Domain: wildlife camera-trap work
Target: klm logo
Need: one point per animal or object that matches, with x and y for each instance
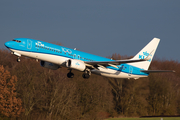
(77, 64)
(39, 43)
(145, 54)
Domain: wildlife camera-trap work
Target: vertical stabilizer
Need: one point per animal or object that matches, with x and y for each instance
(148, 50)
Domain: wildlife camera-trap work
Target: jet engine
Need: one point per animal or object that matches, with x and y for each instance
(49, 65)
(76, 64)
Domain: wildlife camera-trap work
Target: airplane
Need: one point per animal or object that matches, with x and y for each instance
(54, 57)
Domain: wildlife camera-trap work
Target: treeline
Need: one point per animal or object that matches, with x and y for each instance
(38, 93)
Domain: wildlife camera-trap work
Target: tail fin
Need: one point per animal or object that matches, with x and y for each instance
(148, 50)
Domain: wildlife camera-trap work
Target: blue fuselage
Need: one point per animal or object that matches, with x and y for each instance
(58, 55)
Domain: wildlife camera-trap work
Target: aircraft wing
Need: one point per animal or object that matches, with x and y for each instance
(113, 63)
(116, 62)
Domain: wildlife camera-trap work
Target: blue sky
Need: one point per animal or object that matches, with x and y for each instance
(100, 27)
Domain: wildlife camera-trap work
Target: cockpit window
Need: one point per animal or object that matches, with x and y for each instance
(17, 41)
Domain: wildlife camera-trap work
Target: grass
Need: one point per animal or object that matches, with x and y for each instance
(154, 118)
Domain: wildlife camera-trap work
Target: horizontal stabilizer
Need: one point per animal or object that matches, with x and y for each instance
(156, 71)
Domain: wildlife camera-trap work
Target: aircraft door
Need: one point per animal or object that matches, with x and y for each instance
(29, 44)
(74, 56)
(130, 70)
(79, 57)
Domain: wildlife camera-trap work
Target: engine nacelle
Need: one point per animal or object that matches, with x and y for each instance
(76, 64)
(49, 65)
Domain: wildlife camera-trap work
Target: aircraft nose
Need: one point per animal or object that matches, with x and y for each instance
(7, 44)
